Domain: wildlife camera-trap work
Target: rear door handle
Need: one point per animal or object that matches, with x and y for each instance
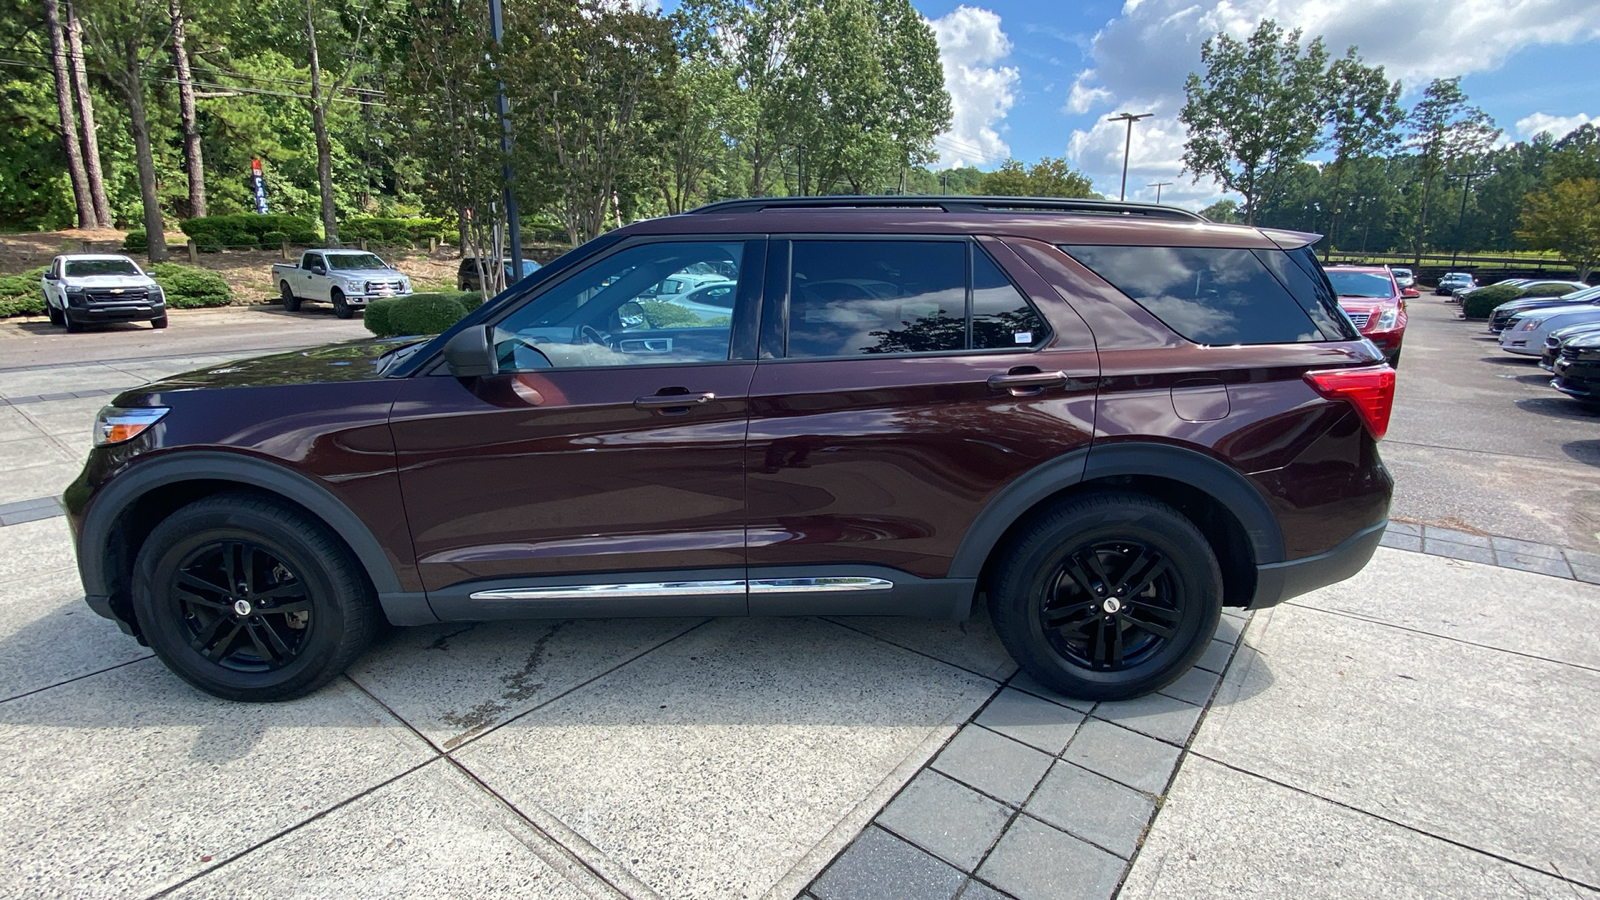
(1022, 384)
(675, 402)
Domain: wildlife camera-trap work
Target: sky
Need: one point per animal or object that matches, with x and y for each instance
(1033, 78)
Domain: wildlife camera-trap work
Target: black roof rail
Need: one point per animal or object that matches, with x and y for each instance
(954, 204)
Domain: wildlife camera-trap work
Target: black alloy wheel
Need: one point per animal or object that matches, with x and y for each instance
(242, 607)
(1106, 596)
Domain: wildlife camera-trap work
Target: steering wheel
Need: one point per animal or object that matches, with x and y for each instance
(589, 334)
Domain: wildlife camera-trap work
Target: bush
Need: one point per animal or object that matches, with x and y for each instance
(208, 245)
(419, 313)
(20, 294)
(136, 242)
(382, 230)
(1548, 290)
(661, 314)
(246, 229)
(1480, 303)
(188, 287)
(273, 240)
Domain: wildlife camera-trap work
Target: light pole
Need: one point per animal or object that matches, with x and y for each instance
(1461, 220)
(1158, 186)
(1127, 145)
(497, 30)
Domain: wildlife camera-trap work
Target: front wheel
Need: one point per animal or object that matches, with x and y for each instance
(341, 307)
(56, 318)
(248, 599)
(1107, 596)
(158, 322)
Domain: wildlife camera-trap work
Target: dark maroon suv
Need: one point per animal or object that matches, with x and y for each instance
(1105, 421)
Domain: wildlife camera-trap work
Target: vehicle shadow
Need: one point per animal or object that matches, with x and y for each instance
(1561, 407)
(43, 327)
(306, 311)
(1586, 452)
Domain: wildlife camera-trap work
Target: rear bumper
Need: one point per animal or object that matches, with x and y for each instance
(1277, 582)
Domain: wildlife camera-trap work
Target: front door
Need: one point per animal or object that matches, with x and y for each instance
(604, 463)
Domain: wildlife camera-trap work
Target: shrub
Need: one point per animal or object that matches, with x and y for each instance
(377, 318)
(384, 230)
(272, 240)
(136, 242)
(20, 294)
(1480, 303)
(237, 239)
(208, 245)
(245, 229)
(428, 313)
(662, 314)
(188, 287)
(1548, 290)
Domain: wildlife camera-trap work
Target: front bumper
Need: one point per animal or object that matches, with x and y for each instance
(1277, 582)
(1577, 378)
(121, 312)
(1527, 345)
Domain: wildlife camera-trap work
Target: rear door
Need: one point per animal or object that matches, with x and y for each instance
(903, 382)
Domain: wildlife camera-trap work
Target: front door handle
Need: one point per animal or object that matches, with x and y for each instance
(676, 403)
(1024, 384)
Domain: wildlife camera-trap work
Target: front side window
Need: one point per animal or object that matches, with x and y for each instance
(630, 309)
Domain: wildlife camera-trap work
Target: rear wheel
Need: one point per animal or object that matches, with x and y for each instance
(341, 307)
(1107, 596)
(248, 599)
(291, 303)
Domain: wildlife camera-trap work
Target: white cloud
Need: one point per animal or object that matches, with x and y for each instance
(981, 92)
(1140, 60)
(1556, 126)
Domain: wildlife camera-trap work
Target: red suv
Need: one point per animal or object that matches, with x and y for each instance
(1375, 303)
(1104, 420)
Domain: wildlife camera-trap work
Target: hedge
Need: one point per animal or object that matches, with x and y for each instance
(429, 313)
(1480, 303)
(187, 287)
(248, 230)
(381, 230)
(20, 294)
(1549, 290)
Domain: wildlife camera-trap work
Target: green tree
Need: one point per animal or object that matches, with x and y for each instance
(1225, 211)
(1049, 177)
(1577, 155)
(1444, 132)
(1256, 113)
(1566, 217)
(1364, 116)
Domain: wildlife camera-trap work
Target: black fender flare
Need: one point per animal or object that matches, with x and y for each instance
(1190, 467)
(140, 478)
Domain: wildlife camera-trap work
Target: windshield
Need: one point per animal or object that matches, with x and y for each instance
(1360, 284)
(82, 267)
(355, 261)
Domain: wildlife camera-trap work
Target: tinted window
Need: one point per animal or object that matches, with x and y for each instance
(355, 261)
(1207, 295)
(1361, 284)
(1299, 270)
(1000, 315)
(309, 260)
(83, 267)
(849, 298)
(618, 313)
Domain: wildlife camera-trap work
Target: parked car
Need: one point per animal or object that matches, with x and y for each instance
(1503, 313)
(349, 279)
(1555, 339)
(1372, 299)
(1577, 368)
(1455, 281)
(1526, 332)
(86, 288)
(1107, 420)
(467, 272)
(1403, 277)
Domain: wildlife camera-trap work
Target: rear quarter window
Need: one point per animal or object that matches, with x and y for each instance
(1209, 295)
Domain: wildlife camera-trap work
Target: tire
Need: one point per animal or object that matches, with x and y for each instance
(158, 322)
(73, 325)
(340, 308)
(1394, 361)
(322, 616)
(56, 318)
(1034, 582)
(291, 303)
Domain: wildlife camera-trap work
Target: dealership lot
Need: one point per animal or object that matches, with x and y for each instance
(1421, 730)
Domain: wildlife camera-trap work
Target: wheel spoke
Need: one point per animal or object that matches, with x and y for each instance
(1116, 643)
(203, 640)
(297, 606)
(1160, 631)
(219, 648)
(1135, 570)
(247, 554)
(1059, 616)
(230, 566)
(1074, 570)
(1097, 570)
(195, 582)
(274, 640)
(1156, 571)
(197, 600)
(282, 590)
(1150, 609)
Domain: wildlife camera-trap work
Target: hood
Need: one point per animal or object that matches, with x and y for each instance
(1588, 340)
(1366, 304)
(350, 361)
(365, 273)
(109, 281)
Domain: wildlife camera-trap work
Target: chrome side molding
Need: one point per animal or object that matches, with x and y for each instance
(636, 590)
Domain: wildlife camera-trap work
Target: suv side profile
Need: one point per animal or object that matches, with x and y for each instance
(1104, 420)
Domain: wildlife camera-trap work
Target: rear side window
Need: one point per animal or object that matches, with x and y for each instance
(1208, 295)
(1300, 271)
(865, 298)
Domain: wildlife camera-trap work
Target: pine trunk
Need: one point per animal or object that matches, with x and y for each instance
(192, 159)
(91, 140)
(69, 120)
(319, 127)
(139, 124)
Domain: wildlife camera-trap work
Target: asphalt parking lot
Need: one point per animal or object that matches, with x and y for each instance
(1422, 730)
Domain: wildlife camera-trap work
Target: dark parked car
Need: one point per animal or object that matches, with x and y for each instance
(1106, 421)
(1502, 314)
(467, 273)
(1577, 368)
(1557, 339)
(1455, 281)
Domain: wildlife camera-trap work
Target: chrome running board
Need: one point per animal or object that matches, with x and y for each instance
(815, 584)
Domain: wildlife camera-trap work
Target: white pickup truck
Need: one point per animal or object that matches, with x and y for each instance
(84, 288)
(349, 279)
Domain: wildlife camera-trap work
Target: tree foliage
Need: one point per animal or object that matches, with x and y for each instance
(1566, 217)
(1049, 177)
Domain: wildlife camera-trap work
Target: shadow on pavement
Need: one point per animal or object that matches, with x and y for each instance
(1587, 452)
(1560, 407)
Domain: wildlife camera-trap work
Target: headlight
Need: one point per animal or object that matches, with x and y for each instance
(1531, 324)
(116, 424)
(1387, 319)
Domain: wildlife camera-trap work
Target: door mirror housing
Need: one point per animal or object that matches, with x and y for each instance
(470, 354)
(631, 315)
(318, 270)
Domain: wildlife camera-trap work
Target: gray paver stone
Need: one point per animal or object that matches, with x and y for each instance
(1453, 550)
(1162, 717)
(1540, 564)
(1034, 862)
(1525, 548)
(879, 864)
(1405, 528)
(30, 515)
(1025, 682)
(1582, 558)
(1215, 659)
(1590, 574)
(1032, 720)
(1194, 686)
(1093, 808)
(1435, 533)
(946, 818)
(1401, 541)
(977, 890)
(1122, 755)
(996, 765)
(1229, 629)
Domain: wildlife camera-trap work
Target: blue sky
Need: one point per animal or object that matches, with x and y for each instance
(1033, 77)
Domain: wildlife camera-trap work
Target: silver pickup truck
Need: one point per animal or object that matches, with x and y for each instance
(349, 279)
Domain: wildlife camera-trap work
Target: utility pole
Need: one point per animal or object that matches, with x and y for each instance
(1127, 145)
(497, 30)
(1461, 220)
(1158, 186)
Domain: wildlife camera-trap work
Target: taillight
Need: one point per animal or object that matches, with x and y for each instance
(1370, 389)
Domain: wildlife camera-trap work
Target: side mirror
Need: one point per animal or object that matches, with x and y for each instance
(49, 276)
(1409, 292)
(469, 354)
(318, 270)
(631, 315)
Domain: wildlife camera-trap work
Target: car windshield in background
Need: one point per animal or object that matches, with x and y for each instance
(355, 261)
(1360, 284)
(84, 267)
